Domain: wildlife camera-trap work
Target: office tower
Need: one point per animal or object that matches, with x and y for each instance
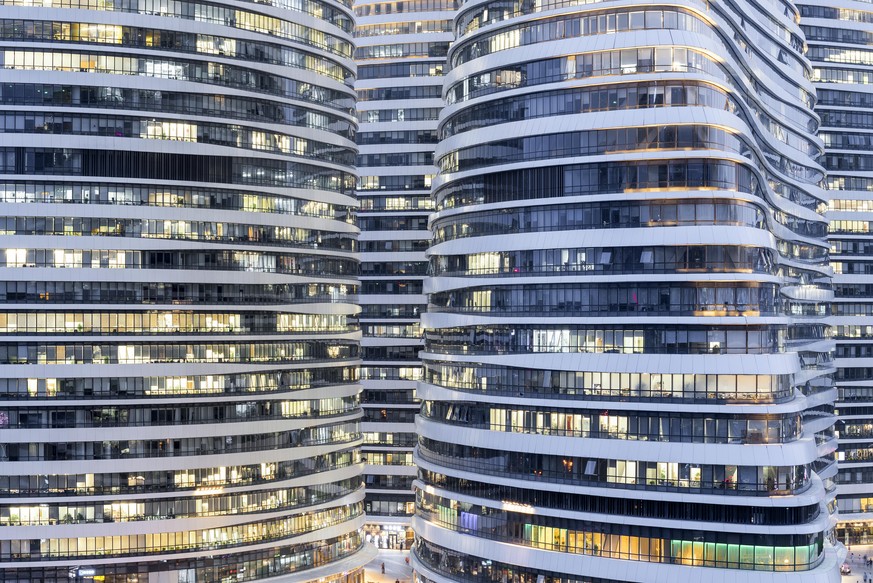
(627, 374)
(178, 355)
(401, 50)
(839, 38)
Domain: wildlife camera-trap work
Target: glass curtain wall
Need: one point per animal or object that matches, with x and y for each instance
(839, 36)
(400, 51)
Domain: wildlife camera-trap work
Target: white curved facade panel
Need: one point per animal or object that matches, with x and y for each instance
(596, 564)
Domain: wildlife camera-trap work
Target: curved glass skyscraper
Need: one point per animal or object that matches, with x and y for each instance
(627, 375)
(839, 37)
(177, 349)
